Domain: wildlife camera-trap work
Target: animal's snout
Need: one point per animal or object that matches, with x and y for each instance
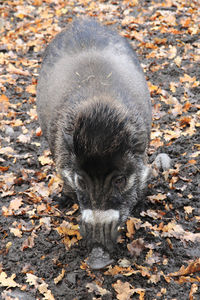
(100, 227)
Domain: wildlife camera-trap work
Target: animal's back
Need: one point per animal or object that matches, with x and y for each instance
(88, 60)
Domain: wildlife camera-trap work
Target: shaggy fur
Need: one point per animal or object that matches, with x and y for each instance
(94, 108)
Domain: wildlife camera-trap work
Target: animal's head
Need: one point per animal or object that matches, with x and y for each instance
(107, 167)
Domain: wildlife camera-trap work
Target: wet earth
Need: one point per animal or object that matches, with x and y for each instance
(42, 255)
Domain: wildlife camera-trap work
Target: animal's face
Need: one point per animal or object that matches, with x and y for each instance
(107, 190)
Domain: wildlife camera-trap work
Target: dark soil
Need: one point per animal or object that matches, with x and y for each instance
(40, 250)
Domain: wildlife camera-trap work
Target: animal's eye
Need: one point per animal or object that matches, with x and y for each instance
(80, 182)
(119, 181)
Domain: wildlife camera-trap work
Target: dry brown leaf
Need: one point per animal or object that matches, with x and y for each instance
(178, 61)
(145, 271)
(156, 143)
(187, 78)
(125, 290)
(16, 231)
(184, 121)
(13, 70)
(4, 103)
(73, 209)
(41, 208)
(45, 160)
(130, 228)
(194, 289)
(152, 257)
(192, 267)
(154, 278)
(70, 233)
(8, 281)
(152, 214)
(157, 198)
(31, 89)
(29, 242)
(184, 279)
(15, 203)
(7, 151)
(55, 185)
(172, 86)
(22, 138)
(59, 277)
(177, 231)
(136, 247)
(40, 285)
(32, 113)
(192, 161)
(38, 191)
(17, 123)
(188, 209)
(131, 2)
(153, 88)
(137, 35)
(172, 51)
(4, 169)
(171, 134)
(126, 271)
(98, 290)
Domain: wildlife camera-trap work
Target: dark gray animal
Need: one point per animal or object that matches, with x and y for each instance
(94, 108)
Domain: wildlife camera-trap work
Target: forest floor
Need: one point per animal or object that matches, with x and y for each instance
(42, 255)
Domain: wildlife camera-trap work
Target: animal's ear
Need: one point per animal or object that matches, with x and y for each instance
(139, 142)
(68, 140)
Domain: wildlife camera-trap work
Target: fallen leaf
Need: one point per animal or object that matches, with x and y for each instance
(13, 70)
(4, 103)
(8, 281)
(126, 271)
(178, 61)
(125, 290)
(59, 277)
(130, 228)
(194, 289)
(73, 209)
(188, 209)
(31, 89)
(154, 278)
(22, 138)
(29, 242)
(187, 78)
(70, 233)
(15, 203)
(136, 247)
(40, 285)
(98, 290)
(192, 161)
(152, 214)
(157, 198)
(4, 169)
(152, 257)
(45, 160)
(7, 151)
(16, 231)
(192, 267)
(172, 51)
(171, 134)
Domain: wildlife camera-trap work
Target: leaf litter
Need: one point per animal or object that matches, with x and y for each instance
(159, 248)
